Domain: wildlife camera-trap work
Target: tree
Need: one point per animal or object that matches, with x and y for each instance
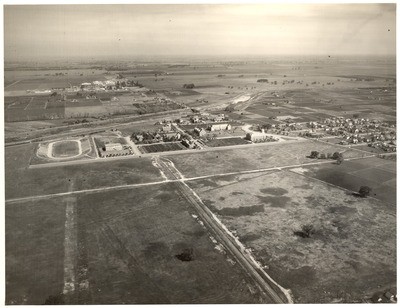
(364, 191)
(335, 155)
(267, 126)
(314, 154)
(306, 231)
(340, 159)
(186, 255)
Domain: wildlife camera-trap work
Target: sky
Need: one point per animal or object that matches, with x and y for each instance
(68, 31)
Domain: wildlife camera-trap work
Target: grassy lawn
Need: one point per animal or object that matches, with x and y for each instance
(65, 148)
(351, 255)
(34, 251)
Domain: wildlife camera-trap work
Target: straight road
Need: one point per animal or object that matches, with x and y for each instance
(271, 291)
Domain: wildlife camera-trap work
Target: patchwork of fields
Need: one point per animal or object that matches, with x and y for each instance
(129, 244)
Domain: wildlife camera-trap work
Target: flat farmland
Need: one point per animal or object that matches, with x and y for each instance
(351, 255)
(28, 81)
(280, 111)
(22, 181)
(125, 252)
(275, 154)
(162, 147)
(29, 108)
(226, 142)
(377, 173)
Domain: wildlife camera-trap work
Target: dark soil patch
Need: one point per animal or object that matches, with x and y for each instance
(279, 201)
(235, 193)
(242, 210)
(305, 186)
(342, 210)
(249, 237)
(276, 191)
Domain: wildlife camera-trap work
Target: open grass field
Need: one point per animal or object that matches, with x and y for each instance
(377, 173)
(275, 154)
(125, 252)
(351, 255)
(162, 147)
(22, 182)
(65, 148)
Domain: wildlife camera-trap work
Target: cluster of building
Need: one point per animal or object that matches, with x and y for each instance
(260, 137)
(205, 117)
(201, 132)
(375, 133)
(165, 134)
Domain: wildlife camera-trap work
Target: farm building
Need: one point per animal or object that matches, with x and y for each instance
(259, 137)
(167, 127)
(200, 131)
(219, 117)
(113, 147)
(217, 127)
(195, 119)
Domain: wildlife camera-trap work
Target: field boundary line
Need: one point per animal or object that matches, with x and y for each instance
(31, 100)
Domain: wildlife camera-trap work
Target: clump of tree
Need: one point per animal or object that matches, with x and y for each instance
(186, 255)
(364, 191)
(188, 85)
(306, 231)
(314, 154)
(263, 80)
(336, 156)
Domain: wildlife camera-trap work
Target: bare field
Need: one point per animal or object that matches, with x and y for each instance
(260, 157)
(34, 251)
(351, 255)
(226, 142)
(23, 182)
(126, 252)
